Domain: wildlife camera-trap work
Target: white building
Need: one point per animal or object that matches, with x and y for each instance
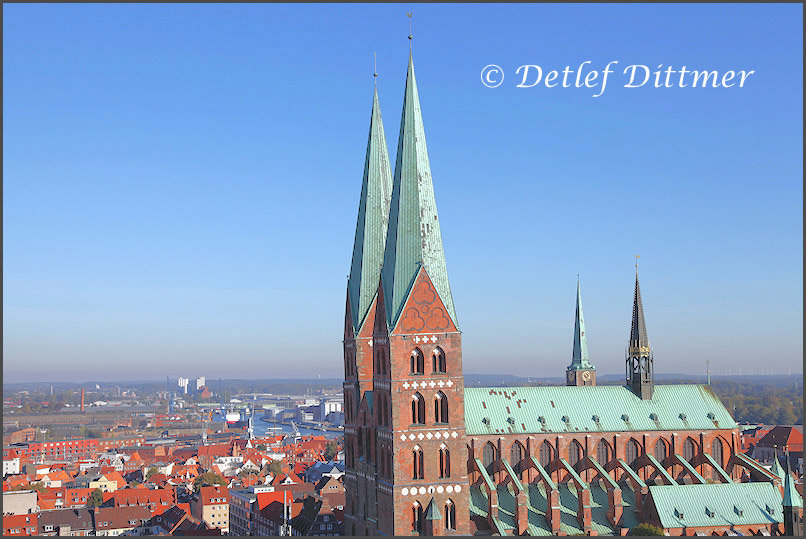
(201, 381)
(11, 467)
(183, 383)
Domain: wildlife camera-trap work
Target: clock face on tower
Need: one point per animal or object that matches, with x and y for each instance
(586, 375)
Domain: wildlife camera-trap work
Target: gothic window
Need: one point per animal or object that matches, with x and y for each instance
(438, 360)
(417, 518)
(633, 451)
(441, 408)
(516, 453)
(444, 462)
(716, 451)
(546, 454)
(360, 442)
(575, 453)
(660, 451)
(450, 515)
(689, 449)
(419, 467)
(417, 361)
(603, 452)
(418, 409)
(488, 455)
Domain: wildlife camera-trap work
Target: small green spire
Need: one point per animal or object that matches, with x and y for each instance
(413, 239)
(373, 220)
(579, 356)
(432, 511)
(792, 497)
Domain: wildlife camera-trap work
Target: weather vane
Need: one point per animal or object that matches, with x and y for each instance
(411, 34)
(375, 70)
(636, 264)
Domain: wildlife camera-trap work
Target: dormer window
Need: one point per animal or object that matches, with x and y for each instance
(711, 416)
(653, 417)
(678, 513)
(542, 419)
(595, 419)
(709, 512)
(566, 419)
(738, 511)
(682, 416)
(625, 417)
(770, 510)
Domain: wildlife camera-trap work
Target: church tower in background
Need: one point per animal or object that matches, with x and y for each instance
(580, 372)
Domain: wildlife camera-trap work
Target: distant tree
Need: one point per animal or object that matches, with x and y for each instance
(261, 447)
(331, 450)
(645, 530)
(96, 498)
(274, 467)
(208, 479)
(151, 471)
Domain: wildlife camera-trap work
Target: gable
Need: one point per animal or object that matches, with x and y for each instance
(423, 310)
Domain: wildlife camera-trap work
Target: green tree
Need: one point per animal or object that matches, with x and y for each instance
(646, 529)
(331, 450)
(151, 471)
(208, 479)
(96, 498)
(261, 447)
(274, 467)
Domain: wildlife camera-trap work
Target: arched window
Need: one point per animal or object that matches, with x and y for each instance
(444, 461)
(716, 451)
(516, 453)
(575, 453)
(603, 452)
(418, 409)
(441, 407)
(417, 518)
(689, 449)
(438, 360)
(488, 455)
(419, 469)
(633, 451)
(546, 454)
(660, 451)
(417, 362)
(450, 515)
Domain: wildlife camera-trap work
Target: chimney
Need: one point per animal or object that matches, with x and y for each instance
(82, 400)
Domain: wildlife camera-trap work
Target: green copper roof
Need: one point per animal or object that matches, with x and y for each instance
(373, 218)
(717, 504)
(776, 467)
(579, 356)
(558, 409)
(432, 511)
(414, 238)
(638, 336)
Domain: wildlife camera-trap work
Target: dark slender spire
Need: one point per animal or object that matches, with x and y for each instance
(640, 368)
(639, 341)
(579, 355)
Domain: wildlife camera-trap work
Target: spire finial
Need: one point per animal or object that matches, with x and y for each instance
(375, 67)
(411, 34)
(636, 265)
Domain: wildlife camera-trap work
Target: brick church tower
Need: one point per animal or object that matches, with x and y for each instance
(405, 433)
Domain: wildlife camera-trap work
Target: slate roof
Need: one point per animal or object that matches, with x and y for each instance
(639, 341)
(558, 409)
(413, 239)
(373, 219)
(780, 437)
(717, 504)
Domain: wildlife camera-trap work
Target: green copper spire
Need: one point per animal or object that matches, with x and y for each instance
(413, 239)
(579, 356)
(373, 219)
(776, 467)
(791, 496)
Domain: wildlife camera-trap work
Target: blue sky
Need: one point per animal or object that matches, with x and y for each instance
(181, 184)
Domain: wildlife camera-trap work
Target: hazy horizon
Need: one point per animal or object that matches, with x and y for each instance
(181, 184)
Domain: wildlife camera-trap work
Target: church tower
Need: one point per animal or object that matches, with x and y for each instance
(413, 417)
(580, 372)
(792, 504)
(362, 289)
(640, 370)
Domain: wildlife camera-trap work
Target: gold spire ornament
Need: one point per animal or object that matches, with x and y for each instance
(411, 34)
